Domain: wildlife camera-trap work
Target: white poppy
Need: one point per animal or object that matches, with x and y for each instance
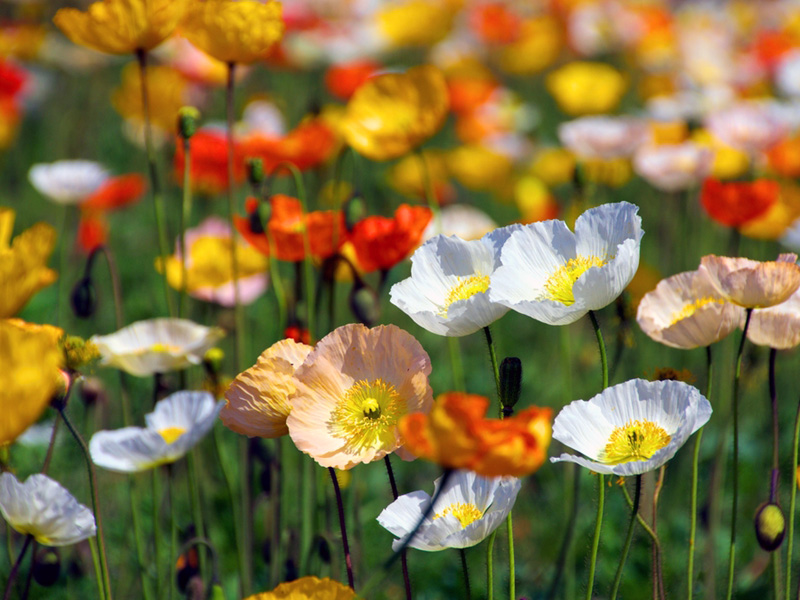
(446, 293)
(747, 126)
(157, 345)
(556, 276)
(673, 167)
(603, 137)
(67, 181)
(178, 422)
(44, 509)
(469, 508)
(463, 220)
(631, 428)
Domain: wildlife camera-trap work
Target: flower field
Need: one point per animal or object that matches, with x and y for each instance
(399, 299)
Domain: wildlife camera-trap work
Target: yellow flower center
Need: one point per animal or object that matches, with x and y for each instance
(465, 288)
(559, 285)
(159, 347)
(366, 417)
(466, 513)
(636, 440)
(691, 308)
(170, 434)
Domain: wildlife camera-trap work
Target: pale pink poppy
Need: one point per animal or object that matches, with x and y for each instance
(603, 137)
(747, 126)
(673, 167)
(753, 284)
(778, 326)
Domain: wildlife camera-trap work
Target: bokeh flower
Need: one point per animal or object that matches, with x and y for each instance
(673, 167)
(456, 435)
(737, 202)
(23, 263)
(177, 424)
(155, 346)
(586, 88)
(746, 126)
(631, 428)
(115, 193)
(603, 137)
(753, 284)
(353, 389)
(257, 400)
(556, 276)
(67, 181)
(43, 508)
(208, 162)
(466, 511)
(382, 242)
(308, 588)
(392, 114)
(415, 23)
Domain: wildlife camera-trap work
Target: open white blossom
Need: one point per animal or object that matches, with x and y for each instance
(67, 181)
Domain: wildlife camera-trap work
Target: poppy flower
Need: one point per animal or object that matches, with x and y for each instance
(326, 230)
(747, 126)
(784, 157)
(494, 23)
(673, 167)
(777, 326)
(456, 435)
(538, 45)
(586, 88)
(737, 202)
(307, 146)
(234, 31)
(753, 284)
(208, 163)
(603, 137)
(122, 26)
(343, 79)
(308, 588)
(382, 242)
(461, 220)
(415, 23)
(67, 181)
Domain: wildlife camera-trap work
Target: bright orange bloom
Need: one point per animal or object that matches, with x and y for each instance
(456, 435)
(209, 162)
(494, 23)
(382, 242)
(307, 146)
(735, 203)
(326, 230)
(344, 79)
(784, 157)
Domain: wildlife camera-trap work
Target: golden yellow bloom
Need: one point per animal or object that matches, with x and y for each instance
(774, 223)
(29, 361)
(536, 49)
(554, 166)
(122, 26)
(392, 114)
(613, 172)
(23, 264)
(479, 168)
(308, 588)
(167, 94)
(729, 163)
(415, 23)
(586, 88)
(234, 32)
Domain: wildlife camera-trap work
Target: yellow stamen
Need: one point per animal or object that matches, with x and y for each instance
(691, 308)
(559, 285)
(465, 288)
(366, 417)
(466, 513)
(159, 347)
(170, 434)
(636, 440)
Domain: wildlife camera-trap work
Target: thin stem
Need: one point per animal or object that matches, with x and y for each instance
(49, 456)
(173, 533)
(158, 204)
(596, 539)
(567, 540)
(137, 532)
(98, 574)
(230, 486)
(736, 378)
(196, 505)
(95, 503)
(307, 507)
(15, 569)
(601, 346)
(467, 588)
(345, 546)
(157, 532)
(277, 283)
(773, 396)
(793, 498)
(628, 538)
(512, 584)
(493, 358)
(403, 556)
(490, 566)
(186, 210)
(430, 195)
(642, 523)
(456, 364)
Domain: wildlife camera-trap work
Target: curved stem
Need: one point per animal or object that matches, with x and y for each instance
(342, 526)
(596, 539)
(628, 538)
(736, 378)
(403, 557)
(601, 346)
(793, 498)
(49, 456)
(642, 523)
(15, 569)
(467, 588)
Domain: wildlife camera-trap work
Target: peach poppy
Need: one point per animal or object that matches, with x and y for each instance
(209, 162)
(777, 327)
(382, 242)
(456, 435)
(307, 146)
(353, 389)
(753, 284)
(735, 203)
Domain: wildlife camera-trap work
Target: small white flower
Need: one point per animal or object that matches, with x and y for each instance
(44, 509)
(603, 137)
(469, 508)
(157, 346)
(631, 428)
(67, 181)
(556, 276)
(446, 293)
(178, 422)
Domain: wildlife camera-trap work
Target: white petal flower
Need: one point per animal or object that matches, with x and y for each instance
(67, 181)
(469, 508)
(178, 422)
(555, 276)
(44, 509)
(157, 345)
(603, 137)
(673, 167)
(631, 428)
(446, 293)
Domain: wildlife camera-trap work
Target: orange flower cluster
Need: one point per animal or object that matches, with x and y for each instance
(456, 435)
(735, 203)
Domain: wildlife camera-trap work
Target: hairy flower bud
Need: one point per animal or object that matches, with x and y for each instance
(770, 526)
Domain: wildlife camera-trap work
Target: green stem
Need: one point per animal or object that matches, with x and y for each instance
(230, 487)
(98, 573)
(596, 539)
(642, 523)
(307, 507)
(137, 532)
(490, 566)
(173, 533)
(403, 558)
(186, 211)
(456, 364)
(512, 584)
(343, 528)
(157, 532)
(277, 284)
(793, 498)
(628, 538)
(602, 347)
(15, 569)
(493, 357)
(573, 490)
(464, 567)
(736, 378)
(196, 505)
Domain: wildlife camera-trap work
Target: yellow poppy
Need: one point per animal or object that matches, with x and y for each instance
(538, 46)
(234, 32)
(479, 168)
(23, 264)
(308, 588)
(393, 113)
(122, 26)
(167, 93)
(416, 23)
(29, 361)
(586, 88)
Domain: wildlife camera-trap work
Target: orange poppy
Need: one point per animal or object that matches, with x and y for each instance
(784, 157)
(209, 162)
(326, 229)
(735, 203)
(382, 242)
(344, 79)
(456, 435)
(307, 146)
(468, 93)
(494, 23)
(115, 193)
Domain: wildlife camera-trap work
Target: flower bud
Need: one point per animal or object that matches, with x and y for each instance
(187, 121)
(84, 298)
(46, 566)
(770, 526)
(212, 360)
(510, 383)
(354, 210)
(255, 171)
